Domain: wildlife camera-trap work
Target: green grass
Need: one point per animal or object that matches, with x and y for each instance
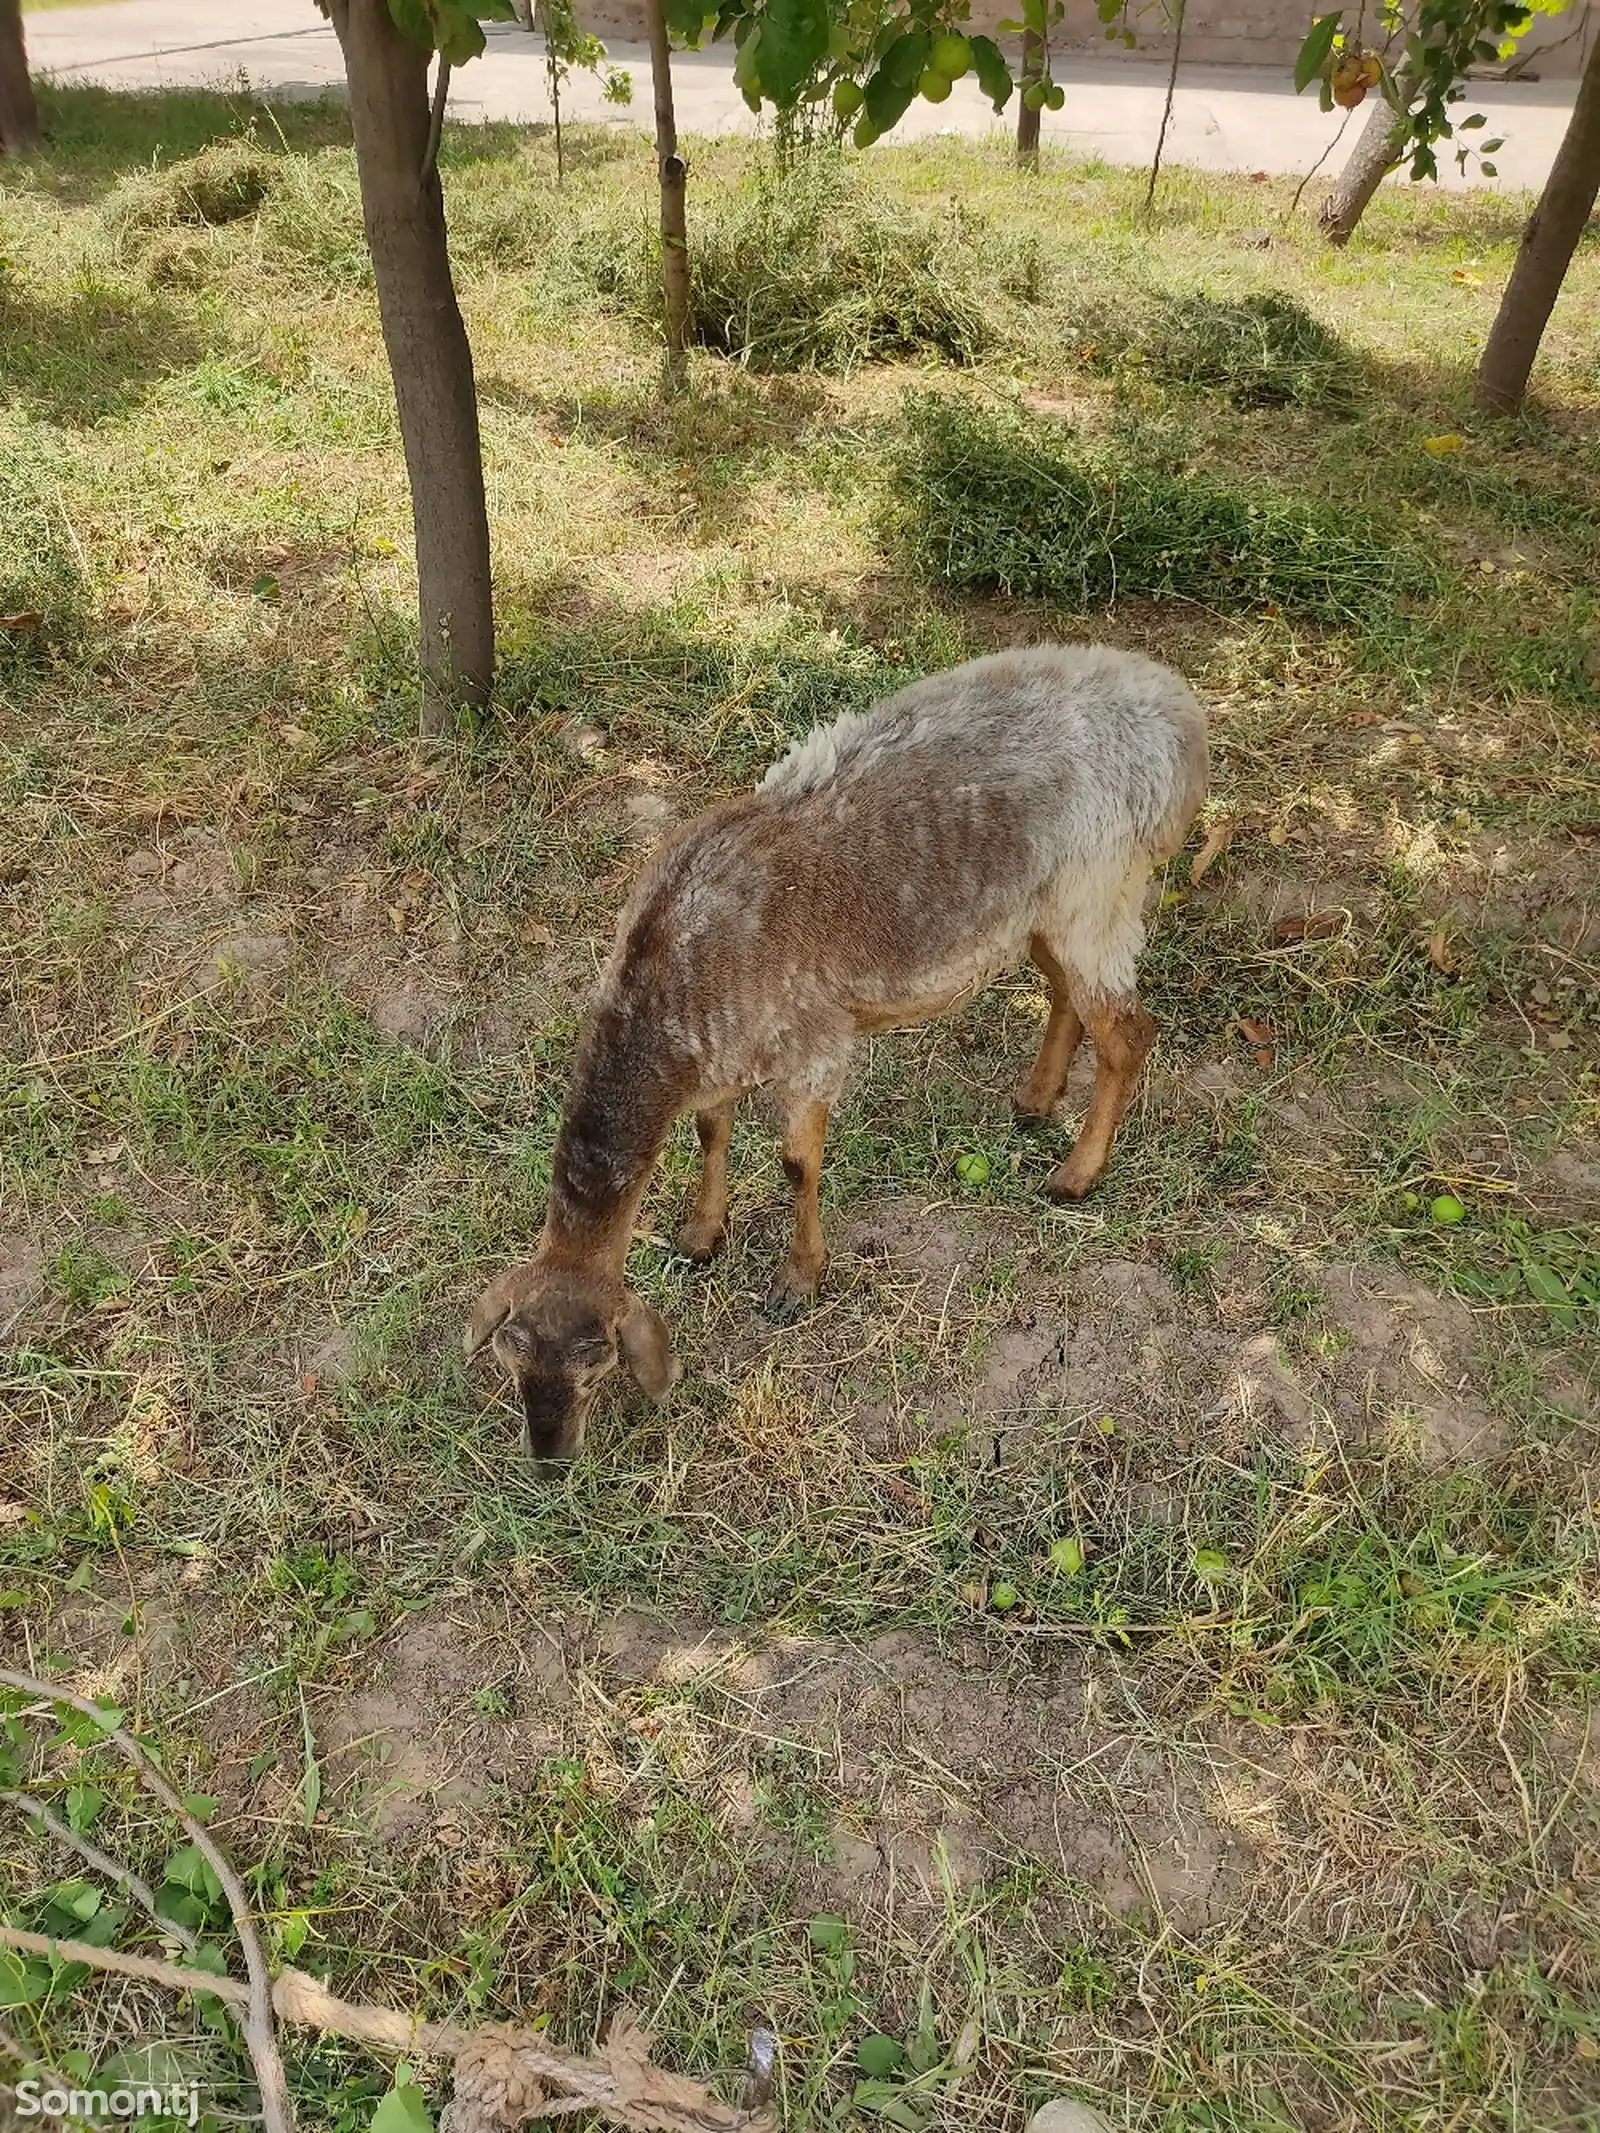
(1141, 1652)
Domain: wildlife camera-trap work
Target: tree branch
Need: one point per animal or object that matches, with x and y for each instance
(277, 2113)
(430, 159)
(113, 1869)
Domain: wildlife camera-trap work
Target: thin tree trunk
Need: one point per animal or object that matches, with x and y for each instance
(1166, 108)
(523, 10)
(1375, 154)
(19, 114)
(674, 172)
(1033, 55)
(429, 356)
(1545, 253)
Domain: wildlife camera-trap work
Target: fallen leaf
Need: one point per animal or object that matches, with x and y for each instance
(1439, 953)
(28, 619)
(308, 1384)
(1263, 1057)
(1218, 838)
(1363, 718)
(1277, 834)
(535, 935)
(1558, 1040)
(1254, 1031)
(1452, 441)
(1470, 281)
(1310, 926)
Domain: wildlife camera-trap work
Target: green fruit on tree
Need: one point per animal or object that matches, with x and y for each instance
(1033, 95)
(1447, 1208)
(752, 95)
(847, 99)
(866, 133)
(1054, 97)
(951, 55)
(935, 86)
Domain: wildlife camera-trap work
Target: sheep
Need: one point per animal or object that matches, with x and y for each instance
(885, 870)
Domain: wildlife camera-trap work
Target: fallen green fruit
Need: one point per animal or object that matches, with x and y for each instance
(1447, 1208)
(973, 1169)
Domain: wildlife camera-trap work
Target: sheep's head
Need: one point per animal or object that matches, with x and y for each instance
(560, 1331)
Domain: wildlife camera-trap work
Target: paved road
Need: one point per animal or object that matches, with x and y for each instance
(1225, 118)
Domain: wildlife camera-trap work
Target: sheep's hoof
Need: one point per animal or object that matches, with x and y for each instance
(1029, 1121)
(1070, 1182)
(699, 1246)
(789, 1296)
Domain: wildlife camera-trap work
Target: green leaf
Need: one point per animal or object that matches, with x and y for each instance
(1471, 125)
(201, 1805)
(84, 1803)
(460, 33)
(994, 76)
(794, 36)
(1314, 52)
(292, 1932)
(891, 89)
(190, 1869)
(22, 1983)
(828, 1934)
(1489, 169)
(1067, 1556)
(403, 2110)
(1210, 1565)
(878, 2057)
(412, 19)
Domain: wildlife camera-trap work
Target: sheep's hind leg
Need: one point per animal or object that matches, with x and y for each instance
(708, 1220)
(796, 1281)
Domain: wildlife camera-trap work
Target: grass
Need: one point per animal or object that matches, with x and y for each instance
(1143, 1653)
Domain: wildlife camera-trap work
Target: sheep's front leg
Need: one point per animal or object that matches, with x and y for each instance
(796, 1281)
(703, 1231)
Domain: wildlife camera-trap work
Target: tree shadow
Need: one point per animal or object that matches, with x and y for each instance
(93, 354)
(713, 447)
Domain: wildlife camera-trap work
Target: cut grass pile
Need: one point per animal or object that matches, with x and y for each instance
(1263, 349)
(812, 269)
(1140, 1652)
(994, 499)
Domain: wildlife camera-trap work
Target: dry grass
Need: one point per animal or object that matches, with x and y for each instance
(1144, 1653)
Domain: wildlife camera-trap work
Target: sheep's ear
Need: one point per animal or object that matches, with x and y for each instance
(489, 1314)
(647, 1349)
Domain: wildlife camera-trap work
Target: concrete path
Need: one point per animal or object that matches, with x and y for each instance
(1224, 118)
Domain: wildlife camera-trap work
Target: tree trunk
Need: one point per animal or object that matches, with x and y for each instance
(19, 114)
(523, 10)
(1027, 118)
(1375, 154)
(674, 173)
(402, 205)
(1545, 253)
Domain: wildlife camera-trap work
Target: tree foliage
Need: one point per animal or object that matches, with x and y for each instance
(1427, 48)
(868, 59)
